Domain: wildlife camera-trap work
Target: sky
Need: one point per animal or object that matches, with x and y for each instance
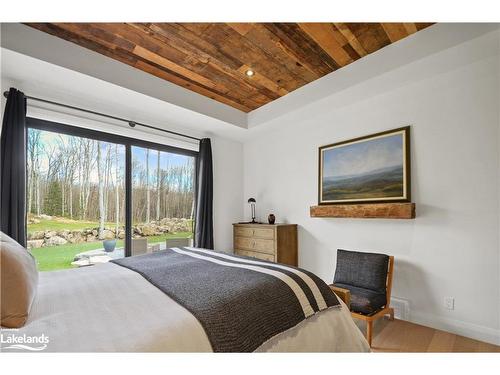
(166, 158)
(363, 157)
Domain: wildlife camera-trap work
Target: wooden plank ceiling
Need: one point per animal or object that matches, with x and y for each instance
(212, 58)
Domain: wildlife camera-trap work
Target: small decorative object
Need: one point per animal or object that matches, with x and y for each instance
(109, 245)
(271, 218)
(252, 207)
(370, 169)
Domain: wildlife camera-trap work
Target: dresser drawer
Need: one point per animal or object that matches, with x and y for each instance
(266, 233)
(254, 254)
(274, 243)
(257, 244)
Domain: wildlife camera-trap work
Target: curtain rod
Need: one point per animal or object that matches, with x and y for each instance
(132, 124)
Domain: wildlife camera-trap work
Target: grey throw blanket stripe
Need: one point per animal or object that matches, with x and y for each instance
(322, 292)
(239, 308)
(297, 290)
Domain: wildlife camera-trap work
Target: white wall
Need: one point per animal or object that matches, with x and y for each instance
(228, 190)
(451, 101)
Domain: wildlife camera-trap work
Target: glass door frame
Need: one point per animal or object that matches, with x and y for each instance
(56, 127)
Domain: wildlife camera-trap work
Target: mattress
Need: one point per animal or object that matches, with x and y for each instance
(108, 308)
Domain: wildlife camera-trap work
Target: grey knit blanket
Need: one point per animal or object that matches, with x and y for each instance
(241, 302)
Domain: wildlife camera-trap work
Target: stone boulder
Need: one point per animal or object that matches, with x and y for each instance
(148, 230)
(176, 225)
(76, 237)
(36, 235)
(55, 241)
(35, 244)
(50, 233)
(66, 234)
(107, 234)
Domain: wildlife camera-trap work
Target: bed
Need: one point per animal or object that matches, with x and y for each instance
(127, 306)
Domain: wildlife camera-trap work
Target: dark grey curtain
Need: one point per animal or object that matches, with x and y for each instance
(13, 168)
(204, 226)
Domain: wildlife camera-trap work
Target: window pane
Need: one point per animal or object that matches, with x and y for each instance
(75, 200)
(162, 200)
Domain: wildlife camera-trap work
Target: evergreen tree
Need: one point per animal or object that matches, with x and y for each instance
(53, 199)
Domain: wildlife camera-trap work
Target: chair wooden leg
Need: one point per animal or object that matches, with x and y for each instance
(391, 313)
(369, 327)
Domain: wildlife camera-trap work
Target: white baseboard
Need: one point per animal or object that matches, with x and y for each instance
(458, 327)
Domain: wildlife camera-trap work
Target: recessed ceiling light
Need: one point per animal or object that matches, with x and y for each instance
(249, 73)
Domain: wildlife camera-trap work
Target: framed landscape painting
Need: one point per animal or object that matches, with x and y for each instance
(370, 169)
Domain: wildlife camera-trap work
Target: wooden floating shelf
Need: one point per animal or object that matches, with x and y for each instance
(366, 211)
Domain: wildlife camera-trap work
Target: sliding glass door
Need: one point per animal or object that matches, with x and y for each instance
(75, 199)
(162, 199)
(93, 197)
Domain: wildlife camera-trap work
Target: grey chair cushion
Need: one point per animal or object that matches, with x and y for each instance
(364, 301)
(363, 270)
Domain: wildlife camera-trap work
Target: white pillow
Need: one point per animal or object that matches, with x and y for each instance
(18, 282)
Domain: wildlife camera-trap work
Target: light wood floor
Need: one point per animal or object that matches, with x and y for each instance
(402, 336)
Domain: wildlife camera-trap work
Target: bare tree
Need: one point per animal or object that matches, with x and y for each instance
(80, 179)
(158, 186)
(148, 198)
(36, 169)
(101, 190)
(88, 150)
(68, 156)
(117, 193)
(73, 161)
(107, 179)
(33, 159)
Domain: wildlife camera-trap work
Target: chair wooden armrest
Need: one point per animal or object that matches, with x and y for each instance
(343, 294)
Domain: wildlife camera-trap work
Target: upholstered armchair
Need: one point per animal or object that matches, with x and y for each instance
(364, 282)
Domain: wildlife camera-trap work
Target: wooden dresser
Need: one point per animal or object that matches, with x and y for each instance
(273, 242)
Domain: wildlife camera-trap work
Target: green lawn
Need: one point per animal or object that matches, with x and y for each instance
(64, 224)
(60, 257)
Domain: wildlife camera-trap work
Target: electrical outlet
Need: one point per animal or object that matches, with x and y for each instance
(449, 303)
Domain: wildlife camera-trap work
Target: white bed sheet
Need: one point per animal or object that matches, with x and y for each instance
(108, 308)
